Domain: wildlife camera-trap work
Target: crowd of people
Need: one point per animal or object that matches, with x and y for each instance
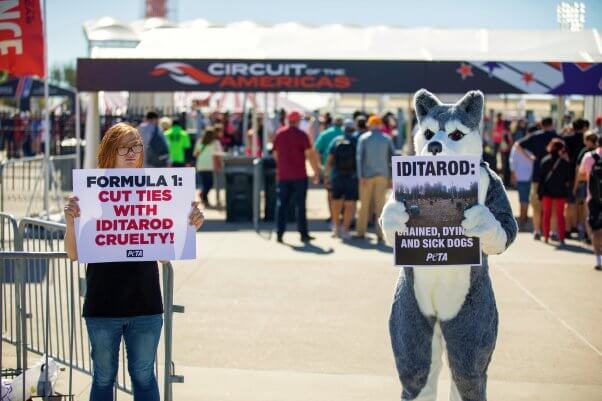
(351, 157)
(559, 175)
(22, 134)
(167, 143)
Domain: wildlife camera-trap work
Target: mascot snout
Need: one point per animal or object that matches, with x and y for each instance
(435, 147)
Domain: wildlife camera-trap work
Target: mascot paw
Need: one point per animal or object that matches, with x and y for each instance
(481, 223)
(393, 218)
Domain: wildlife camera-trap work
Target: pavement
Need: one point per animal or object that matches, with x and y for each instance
(272, 322)
(291, 322)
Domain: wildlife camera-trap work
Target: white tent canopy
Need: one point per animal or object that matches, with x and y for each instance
(201, 39)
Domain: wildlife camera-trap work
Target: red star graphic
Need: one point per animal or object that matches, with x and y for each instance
(465, 70)
(528, 77)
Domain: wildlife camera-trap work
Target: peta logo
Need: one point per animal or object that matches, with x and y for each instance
(134, 253)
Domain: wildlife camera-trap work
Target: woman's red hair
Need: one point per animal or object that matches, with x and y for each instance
(107, 152)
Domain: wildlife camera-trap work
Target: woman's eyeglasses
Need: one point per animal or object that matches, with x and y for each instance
(125, 150)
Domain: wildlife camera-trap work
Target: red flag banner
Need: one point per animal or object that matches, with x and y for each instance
(21, 38)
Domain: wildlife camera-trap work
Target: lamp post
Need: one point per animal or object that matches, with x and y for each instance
(571, 17)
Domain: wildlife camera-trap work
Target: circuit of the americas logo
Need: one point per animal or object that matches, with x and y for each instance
(256, 75)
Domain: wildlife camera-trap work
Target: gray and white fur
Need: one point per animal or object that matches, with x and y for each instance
(452, 309)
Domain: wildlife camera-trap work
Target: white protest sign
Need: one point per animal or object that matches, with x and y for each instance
(436, 190)
(134, 214)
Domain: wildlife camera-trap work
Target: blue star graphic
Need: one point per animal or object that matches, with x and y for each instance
(491, 66)
(578, 81)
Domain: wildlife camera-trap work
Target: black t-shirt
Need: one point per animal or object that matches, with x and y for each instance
(555, 177)
(574, 144)
(537, 144)
(122, 289)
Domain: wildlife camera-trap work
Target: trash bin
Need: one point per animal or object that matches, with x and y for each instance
(270, 195)
(238, 172)
(69, 147)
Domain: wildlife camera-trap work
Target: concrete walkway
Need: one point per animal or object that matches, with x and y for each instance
(272, 322)
(267, 322)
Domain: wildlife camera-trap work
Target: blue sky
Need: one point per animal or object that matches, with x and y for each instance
(66, 17)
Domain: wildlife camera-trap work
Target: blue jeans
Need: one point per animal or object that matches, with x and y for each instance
(294, 191)
(205, 179)
(141, 335)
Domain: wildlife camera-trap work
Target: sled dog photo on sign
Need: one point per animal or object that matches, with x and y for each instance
(436, 190)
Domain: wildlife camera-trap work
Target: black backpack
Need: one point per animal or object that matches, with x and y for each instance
(157, 154)
(595, 178)
(344, 157)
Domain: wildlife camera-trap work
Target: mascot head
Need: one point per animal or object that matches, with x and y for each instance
(448, 129)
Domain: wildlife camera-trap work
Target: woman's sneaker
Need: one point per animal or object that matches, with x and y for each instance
(336, 232)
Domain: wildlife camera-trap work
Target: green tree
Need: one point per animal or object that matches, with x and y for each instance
(63, 74)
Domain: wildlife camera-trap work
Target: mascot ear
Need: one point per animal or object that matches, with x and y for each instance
(424, 101)
(472, 104)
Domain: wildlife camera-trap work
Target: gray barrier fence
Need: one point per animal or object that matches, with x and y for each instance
(22, 184)
(42, 295)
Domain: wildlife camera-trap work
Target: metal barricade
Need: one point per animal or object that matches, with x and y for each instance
(20, 260)
(52, 284)
(42, 306)
(8, 290)
(22, 183)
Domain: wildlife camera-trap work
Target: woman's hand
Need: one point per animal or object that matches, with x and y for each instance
(71, 209)
(196, 217)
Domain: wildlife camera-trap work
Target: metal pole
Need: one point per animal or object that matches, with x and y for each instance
(254, 126)
(78, 136)
(167, 333)
(245, 121)
(266, 120)
(46, 117)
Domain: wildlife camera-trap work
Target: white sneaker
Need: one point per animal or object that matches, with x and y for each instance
(336, 232)
(345, 235)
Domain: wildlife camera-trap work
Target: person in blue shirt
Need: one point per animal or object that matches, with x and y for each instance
(322, 145)
(374, 152)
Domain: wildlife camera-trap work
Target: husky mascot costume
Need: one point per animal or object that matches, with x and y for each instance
(451, 308)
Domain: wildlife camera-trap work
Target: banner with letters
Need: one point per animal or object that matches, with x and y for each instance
(22, 38)
(134, 214)
(436, 190)
(338, 76)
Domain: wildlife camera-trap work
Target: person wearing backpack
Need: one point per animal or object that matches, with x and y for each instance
(341, 173)
(156, 152)
(554, 185)
(590, 170)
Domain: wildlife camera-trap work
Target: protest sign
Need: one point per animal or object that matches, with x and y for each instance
(134, 214)
(436, 190)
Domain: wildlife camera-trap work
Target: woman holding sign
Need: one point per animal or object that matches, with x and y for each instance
(123, 299)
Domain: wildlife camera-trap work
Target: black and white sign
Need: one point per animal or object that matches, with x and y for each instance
(436, 190)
